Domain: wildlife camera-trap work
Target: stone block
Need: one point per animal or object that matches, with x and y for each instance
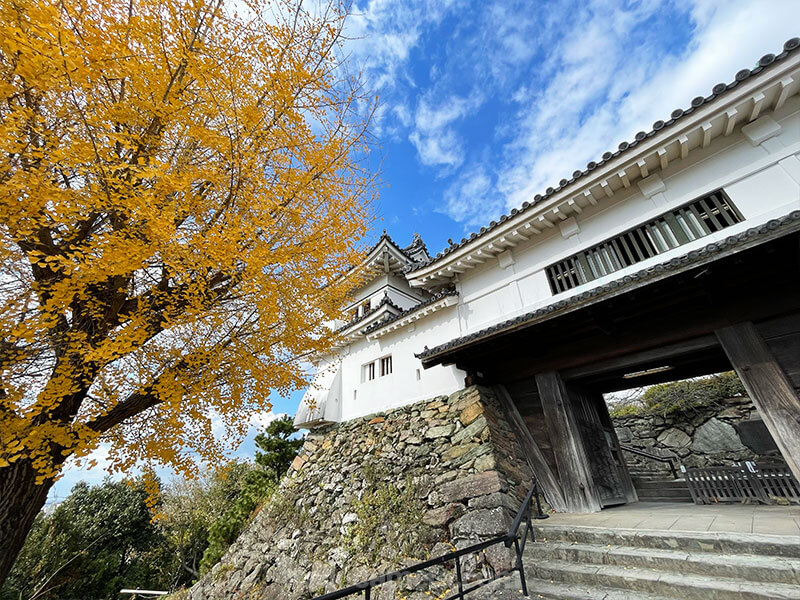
(485, 462)
(439, 431)
(456, 451)
(464, 488)
(494, 500)
(624, 434)
(716, 436)
(469, 414)
(471, 431)
(439, 517)
(483, 522)
(500, 558)
(674, 438)
(729, 413)
(475, 452)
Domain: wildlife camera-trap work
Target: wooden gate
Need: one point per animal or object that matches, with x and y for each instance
(765, 484)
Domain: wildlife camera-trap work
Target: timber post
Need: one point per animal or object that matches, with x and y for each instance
(547, 480)
(572, 461)
(768, 387)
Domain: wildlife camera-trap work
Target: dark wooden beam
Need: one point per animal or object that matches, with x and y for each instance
(625, 476)
(636, 359)
(548, 482)
(768, 387)
(577, 484)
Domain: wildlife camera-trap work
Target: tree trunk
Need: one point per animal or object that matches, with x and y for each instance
(20, 501)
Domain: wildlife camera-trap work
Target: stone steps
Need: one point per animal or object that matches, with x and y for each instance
(509, 589)
(770, 569)
(659, 483)
(689, 541)
(653, 581)
(576, 562)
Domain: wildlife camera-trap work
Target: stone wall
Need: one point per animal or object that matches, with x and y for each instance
(380, 492)
(715, 434)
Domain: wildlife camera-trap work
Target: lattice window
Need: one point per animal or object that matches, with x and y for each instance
(690, 222)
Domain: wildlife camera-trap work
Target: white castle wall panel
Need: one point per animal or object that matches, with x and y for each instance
(401, 386)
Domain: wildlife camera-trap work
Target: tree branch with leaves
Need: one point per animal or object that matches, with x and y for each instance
(182, 187)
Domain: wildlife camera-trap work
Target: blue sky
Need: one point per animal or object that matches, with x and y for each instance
(484, 104)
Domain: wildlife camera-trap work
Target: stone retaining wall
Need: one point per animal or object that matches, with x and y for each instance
(380, 492)
(703, 436)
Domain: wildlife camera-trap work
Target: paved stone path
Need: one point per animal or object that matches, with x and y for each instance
(733, 518)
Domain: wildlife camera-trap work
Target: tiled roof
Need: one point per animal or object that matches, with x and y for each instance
(415, 244)
(781, 226)
(432, 300)
(718, 90)
(385, 301)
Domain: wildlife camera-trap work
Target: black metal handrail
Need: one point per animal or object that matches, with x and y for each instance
(509, 539)
(666, 459)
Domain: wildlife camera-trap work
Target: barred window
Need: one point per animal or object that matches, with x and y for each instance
(690, 222)
(368, 372)
(386, 365)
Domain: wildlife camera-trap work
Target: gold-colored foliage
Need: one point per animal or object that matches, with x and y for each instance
(181, 191)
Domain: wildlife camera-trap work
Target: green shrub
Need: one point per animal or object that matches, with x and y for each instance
(682, 396)
(389, 520)
(624, 409)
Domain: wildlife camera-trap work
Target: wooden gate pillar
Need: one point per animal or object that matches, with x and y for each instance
(624, 474)
(580, 494)
(546, 479)
(769, 388)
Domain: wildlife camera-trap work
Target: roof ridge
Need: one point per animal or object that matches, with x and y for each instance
(719, 89)
(416, 242)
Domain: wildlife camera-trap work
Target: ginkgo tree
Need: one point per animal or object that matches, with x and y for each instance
(182, 186)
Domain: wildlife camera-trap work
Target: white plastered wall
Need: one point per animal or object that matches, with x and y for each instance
(408, 382)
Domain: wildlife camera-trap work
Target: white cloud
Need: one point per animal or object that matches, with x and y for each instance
(259, 421)
(383, 33)
(434, 136)
(576, 79)
(603, 90)
(471, 199)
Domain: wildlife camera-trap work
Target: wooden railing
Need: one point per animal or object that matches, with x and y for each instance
(665, 459)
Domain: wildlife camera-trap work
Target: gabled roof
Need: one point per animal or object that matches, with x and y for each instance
(648, 152)
(385, 302)
(432, 304)
(387, 256)
(417, 250)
